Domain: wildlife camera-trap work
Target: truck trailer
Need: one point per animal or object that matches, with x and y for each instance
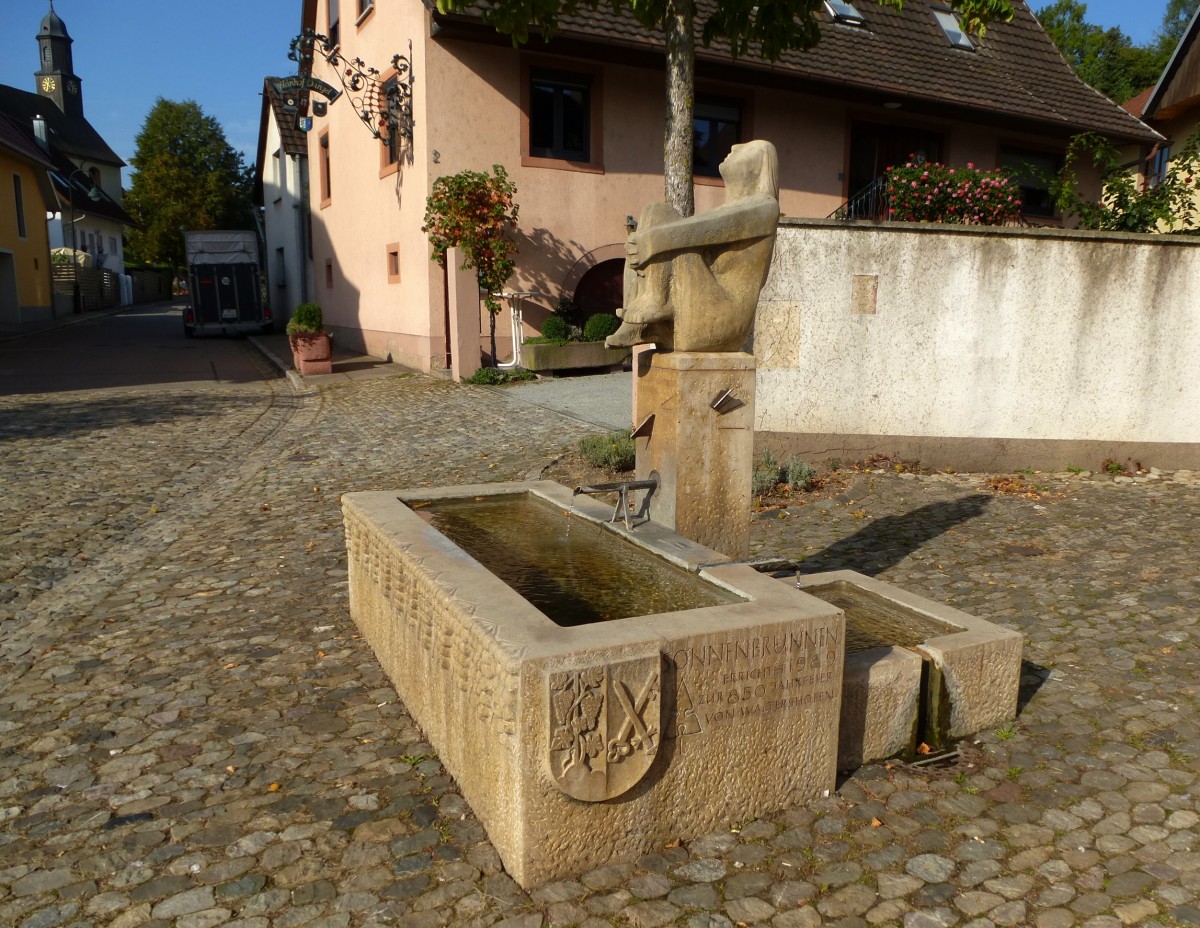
(225, 284)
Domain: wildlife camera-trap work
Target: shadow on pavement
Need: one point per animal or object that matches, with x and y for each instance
(887, 541)
(59, 420)
(1033, 678)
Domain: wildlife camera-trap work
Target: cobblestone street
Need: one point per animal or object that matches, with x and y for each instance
(193, 735)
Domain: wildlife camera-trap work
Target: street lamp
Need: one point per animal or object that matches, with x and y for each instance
(94, 195)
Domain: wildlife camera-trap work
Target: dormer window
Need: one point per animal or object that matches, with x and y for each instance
(844, 12)
(954, 32)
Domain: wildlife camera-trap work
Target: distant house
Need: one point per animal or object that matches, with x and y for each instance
(577, 123)
(1172, 106)
(25, 282)
(281, 191)
(85, 171)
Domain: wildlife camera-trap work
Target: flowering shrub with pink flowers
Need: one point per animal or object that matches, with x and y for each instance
(933, 192)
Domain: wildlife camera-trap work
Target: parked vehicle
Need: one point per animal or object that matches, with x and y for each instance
(225, 284)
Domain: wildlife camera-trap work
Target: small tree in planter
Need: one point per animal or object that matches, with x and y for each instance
(473, 210)
(312, 348)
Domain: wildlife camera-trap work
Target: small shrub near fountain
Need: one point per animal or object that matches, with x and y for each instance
(491, 376)
(775, 478)
(614, 451)
(600, 326)
(555, 331)
(798, 474)
(766, 474)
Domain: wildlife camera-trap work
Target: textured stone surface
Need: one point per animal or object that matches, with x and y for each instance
(704, 459)
(189, 619)
(979, 669)
(483, 673)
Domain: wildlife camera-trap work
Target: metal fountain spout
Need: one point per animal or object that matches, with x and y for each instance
(622, 488)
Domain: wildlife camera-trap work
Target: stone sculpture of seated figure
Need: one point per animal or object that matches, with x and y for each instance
(692, 284)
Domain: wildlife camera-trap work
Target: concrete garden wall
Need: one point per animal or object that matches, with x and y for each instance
(980, 348)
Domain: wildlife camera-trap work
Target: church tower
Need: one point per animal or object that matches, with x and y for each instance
(56, 79)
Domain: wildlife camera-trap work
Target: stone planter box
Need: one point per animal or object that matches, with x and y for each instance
(734, 707)
(312, 354)
(571, 356)
(957, 673)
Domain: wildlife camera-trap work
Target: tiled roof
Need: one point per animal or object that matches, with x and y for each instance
(903, 55)
(292, 139)
(1137, 105)
(74, 136)
(19, 140)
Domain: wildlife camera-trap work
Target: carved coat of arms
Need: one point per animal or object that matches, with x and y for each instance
(605, 727)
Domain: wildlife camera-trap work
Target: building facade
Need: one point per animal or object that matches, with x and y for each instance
(577, 124)
(26, 292)
(281, 193)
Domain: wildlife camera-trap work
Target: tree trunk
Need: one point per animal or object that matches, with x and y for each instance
(492, 335)
(679, 29)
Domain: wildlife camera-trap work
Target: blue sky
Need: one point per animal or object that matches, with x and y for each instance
(129, 53)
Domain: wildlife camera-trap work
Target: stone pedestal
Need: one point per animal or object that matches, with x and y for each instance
(704, 457)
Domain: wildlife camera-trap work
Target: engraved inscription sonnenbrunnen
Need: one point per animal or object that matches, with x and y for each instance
(756, 675)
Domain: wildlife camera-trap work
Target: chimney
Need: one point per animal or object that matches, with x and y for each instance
(39, 132)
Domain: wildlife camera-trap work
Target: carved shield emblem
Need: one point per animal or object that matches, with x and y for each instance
(605, 726)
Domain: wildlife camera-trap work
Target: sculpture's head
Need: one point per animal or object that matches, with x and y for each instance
(749, 168)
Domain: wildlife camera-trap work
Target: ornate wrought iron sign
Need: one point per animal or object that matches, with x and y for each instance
(384, 106)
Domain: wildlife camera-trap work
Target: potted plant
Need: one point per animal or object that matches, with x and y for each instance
(312, 347)
(562, 346)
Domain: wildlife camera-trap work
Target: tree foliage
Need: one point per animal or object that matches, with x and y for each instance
(764, 28)
(474, 211)
(1107, 59)
(1170, 205)
(188, 178)
(1176, 18)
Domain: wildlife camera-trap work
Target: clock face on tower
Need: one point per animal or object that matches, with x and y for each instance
(48, 84)
(72, 87)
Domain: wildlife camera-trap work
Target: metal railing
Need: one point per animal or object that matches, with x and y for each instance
(871, 202)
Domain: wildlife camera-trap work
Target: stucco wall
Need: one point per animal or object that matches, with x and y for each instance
(980, 348)
(30, 261)
(467, 115)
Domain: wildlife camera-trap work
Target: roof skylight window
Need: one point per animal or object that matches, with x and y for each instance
(954, 32)
(844, 12)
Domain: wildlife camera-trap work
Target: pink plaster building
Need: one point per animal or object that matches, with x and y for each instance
(577, 123)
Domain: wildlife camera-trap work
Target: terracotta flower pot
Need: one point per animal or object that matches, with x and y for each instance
(312, 354)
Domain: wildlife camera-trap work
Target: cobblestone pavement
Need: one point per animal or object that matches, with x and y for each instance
(192, 734)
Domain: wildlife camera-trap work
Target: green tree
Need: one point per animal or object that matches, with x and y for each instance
(1168, 206)
(766, 28)
(1106, 59)
(1176, 18)
(474, 211)
(188, 178)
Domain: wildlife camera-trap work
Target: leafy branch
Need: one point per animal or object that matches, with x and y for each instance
(473, 210)
(1169, 205)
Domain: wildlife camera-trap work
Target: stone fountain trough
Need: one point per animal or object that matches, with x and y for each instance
(915, 669)
(579, 746)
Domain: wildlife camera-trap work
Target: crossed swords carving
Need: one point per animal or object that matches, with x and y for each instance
(622, 746)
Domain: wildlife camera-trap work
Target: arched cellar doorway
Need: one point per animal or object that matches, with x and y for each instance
(601, 289)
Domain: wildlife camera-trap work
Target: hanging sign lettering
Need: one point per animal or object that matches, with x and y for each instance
(285, 86)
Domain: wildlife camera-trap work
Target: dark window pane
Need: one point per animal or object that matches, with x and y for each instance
(716, 128)
(1034, 172)
(560, 116)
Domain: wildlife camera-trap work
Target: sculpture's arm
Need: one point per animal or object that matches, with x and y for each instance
(751, 218)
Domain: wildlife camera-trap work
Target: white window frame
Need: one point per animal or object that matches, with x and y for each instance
(955, 34)
(843, 11)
